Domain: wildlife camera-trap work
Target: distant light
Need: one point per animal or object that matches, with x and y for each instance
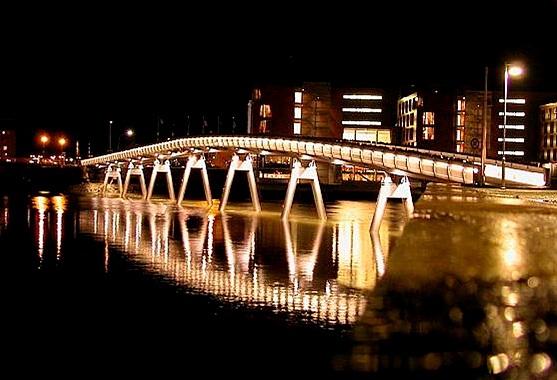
(129, 132)
(44, 139)
(62, 141)
(362, 97)
(515, 71)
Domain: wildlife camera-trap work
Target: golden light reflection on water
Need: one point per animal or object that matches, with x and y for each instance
(324, 269)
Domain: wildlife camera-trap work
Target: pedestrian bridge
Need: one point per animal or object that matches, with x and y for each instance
(393, 160)
(398, 160)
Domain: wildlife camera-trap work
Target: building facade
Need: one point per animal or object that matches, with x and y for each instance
(425, 120)
(548, 132)
(319, 109)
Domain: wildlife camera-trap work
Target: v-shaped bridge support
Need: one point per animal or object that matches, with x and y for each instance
(309, 174)
(136, 171)
(195, 163)
(112, 173)
(391, 190)
(161, 168)
(243, 166)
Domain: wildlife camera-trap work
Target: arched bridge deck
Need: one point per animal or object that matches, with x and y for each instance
(421, 163)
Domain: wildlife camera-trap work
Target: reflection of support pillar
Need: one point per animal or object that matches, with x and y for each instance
(195, 163)
(378, 254)
(111, 173)
(310, 174)
(391, 190)
(306, 266)
(244, 166)
(161, 168)
(135, 171)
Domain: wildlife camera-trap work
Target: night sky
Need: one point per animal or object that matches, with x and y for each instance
(70, 70)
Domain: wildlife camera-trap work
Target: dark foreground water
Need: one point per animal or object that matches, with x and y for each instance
(108, 287)
(105, 287)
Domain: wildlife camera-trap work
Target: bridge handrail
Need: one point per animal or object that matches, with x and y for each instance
(447, 166)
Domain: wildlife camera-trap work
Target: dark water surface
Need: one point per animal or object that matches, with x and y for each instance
(105, 287)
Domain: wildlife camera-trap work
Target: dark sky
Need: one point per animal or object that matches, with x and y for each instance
(72, 69)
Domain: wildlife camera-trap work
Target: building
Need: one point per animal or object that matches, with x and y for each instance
(7, 143)
(425, 120)
(548, 132)
(320, 109)
(521, 132)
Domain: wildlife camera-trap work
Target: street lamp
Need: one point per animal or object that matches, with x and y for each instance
(110, 136)
(128, 133)
(44, 139)
(62, 142)
(510, 71)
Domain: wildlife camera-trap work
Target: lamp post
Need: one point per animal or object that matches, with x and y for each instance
(44, 140)
(510, 70)
(484, 134)
(110, 136)
(62, 141)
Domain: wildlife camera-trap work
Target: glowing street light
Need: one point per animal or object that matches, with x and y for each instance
(129, 132)
(44, 139)
(515, 71)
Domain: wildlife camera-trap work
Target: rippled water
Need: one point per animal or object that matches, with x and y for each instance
(237, 276)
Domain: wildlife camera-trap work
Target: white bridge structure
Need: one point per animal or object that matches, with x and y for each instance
(401, 162)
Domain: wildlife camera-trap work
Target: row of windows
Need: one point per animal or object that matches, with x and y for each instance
(550, 155)
(550, 128)
(407, 105)
(550, 114)
(550, 141)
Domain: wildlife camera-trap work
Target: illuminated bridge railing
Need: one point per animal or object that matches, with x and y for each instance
(429, 164)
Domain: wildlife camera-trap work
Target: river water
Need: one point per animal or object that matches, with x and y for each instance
(106, 287)
(102, 284)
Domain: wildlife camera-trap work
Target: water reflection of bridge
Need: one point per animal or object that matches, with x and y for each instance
(257, 261)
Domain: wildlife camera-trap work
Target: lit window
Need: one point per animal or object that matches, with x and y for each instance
(459, 135)
(513, 101)
(362, 97)
(517, 114)
(297, 112)
(362, 110)
(263, 126)
(461, 105)
(429, 118)
(297, 128)
(360, 122)
(265, 110)
(256, 94)
(512, 139)
(513, 126)
(511, 152)
(298, 97)
(428, 133)
(460, 119)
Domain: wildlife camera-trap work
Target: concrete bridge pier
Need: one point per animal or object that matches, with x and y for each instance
(161, 168)
(310, 174)
(136, 171)
(391, 190)
(195, 163)
(112, 173)
(244, 166)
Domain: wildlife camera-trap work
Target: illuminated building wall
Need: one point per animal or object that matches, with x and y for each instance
(365, 115)
(321, 109)
(7, 143)
(425, 120)
(548, 132)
